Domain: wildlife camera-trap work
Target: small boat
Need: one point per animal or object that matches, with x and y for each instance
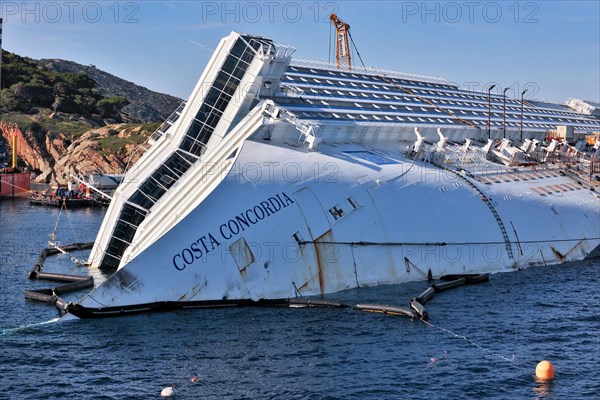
(63, 197)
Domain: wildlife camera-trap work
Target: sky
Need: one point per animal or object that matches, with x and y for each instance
(550, 47)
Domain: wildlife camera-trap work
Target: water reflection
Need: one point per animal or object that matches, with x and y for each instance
(542, 389)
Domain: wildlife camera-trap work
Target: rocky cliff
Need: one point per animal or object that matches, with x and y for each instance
(53, 157)
(68, 117)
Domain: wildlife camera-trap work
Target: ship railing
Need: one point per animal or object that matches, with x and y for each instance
(469, 157)
(422, 154)
(309, 130)
(157, 134)
(594, 168)
(284, 50)
(291, 91)
(455, 157)
(301, 62)
(566, 158)
(164, 127)
(268, 49)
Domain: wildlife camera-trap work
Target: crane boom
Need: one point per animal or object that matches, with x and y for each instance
(342, 45)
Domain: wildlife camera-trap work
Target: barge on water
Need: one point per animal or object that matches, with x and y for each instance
(68, 199)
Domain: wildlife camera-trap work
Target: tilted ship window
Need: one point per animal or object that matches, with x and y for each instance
(336, 212)
(208, 116)
(123, 234)
(298, 238)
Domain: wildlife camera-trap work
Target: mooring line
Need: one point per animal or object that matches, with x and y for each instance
(472, 342)
(10, 331)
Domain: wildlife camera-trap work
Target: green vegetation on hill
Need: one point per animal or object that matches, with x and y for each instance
(29, 86)
(37, 123)
(114, 144)
(74, 117)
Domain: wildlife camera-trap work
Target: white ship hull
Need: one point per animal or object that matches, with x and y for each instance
(260, 220)
(239, 243)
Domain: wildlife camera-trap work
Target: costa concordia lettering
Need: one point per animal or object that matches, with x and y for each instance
(208, 243)
(423, 179)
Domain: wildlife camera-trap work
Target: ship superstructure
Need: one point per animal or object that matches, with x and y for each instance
(281, 178)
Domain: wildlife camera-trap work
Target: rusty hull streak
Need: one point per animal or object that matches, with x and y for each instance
(319, 266)
(558, 254)
(320, 262)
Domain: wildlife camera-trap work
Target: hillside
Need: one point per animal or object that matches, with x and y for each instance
(144, 104)
(65, 86)
(72, 119)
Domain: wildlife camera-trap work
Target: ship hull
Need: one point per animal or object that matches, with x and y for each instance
(285, 222)
(14, 185)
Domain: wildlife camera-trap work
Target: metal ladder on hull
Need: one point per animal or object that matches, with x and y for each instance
(487, 201)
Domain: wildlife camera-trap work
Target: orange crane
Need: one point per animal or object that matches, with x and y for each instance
(342, 45)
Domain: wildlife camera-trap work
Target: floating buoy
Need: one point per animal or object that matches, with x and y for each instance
(385, 310)
(419, 309)
(544, 370)
(426, 295)
(168, 392)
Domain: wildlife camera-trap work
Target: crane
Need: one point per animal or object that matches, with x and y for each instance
(342, 45)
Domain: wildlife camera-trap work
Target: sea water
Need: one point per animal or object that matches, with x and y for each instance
(483, 341)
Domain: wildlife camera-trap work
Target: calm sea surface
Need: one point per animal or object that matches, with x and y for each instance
(484, 343)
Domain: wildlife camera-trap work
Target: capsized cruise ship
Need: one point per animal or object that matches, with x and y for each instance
(283, 178)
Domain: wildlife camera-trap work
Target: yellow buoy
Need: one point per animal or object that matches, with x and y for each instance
(544, 370)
